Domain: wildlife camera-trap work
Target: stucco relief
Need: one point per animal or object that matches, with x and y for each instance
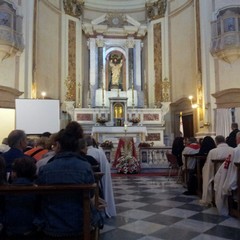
(153, 137)
(150, 117)
(84, 117)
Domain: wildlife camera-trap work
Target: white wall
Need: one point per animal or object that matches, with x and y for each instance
(7, 123)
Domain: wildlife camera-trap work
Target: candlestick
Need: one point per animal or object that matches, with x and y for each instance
(125, 127)
(132, 95)
(102, 95)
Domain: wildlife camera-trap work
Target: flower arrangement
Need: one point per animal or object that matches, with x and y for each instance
(145, 144)
(106, 144)
(128, 164)
(101, 120)
(134, 120)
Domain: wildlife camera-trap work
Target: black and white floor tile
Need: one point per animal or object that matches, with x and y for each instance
(153, 208)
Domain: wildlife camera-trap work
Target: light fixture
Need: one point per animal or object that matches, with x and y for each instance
(43, 94)
(194, 105)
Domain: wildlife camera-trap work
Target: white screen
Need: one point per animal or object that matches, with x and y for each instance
(36, 116)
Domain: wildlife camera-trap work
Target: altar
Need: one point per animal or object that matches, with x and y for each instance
(103, 133)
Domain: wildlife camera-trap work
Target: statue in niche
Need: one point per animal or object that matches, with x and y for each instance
(115, 64)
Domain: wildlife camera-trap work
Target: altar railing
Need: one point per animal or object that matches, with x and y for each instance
(154, 157)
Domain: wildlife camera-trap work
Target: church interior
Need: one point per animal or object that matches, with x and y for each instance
(147, 70)
(121, 61)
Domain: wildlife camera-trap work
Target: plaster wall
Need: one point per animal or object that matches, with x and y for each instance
(228, 74)
(174, 5)
(48, 56)
(183, 54)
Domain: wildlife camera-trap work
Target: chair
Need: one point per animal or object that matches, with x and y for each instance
(173, 164)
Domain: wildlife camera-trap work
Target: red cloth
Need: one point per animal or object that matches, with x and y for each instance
(121, 148)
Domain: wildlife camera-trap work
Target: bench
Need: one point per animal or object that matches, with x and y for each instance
(84, 189)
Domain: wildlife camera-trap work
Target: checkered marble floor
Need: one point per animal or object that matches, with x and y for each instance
(153, 208)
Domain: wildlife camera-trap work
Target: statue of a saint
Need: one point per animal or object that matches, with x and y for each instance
(115, 70)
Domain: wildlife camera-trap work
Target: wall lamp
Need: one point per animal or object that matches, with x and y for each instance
(194, 105)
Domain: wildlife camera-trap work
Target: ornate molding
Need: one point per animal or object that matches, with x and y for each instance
(225, 35)
(8, 96)
(228, 98)
(73, 7)
(115, 20)
(11, 39)
(156, 9)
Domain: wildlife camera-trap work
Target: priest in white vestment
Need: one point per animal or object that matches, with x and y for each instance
(222, 151)
(100, 156)
(225, 180)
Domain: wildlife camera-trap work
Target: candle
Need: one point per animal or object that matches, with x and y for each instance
(125, 127)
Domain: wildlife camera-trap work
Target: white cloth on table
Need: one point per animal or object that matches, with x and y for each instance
(100, 156)
(225, 181)
(220, 152)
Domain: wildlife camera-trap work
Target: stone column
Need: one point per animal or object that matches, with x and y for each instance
(130, 44)
(100, 44)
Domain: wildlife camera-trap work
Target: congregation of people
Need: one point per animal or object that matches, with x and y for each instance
(66, 157)
(215, 186)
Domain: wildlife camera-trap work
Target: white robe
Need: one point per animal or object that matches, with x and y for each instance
(225, 181)
(100, 156)
(222, 151)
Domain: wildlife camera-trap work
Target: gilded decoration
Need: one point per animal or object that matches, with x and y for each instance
(158, 63)
(70, 85)
(71, 80)
(73, 7)
(156, 9)
(166, 87)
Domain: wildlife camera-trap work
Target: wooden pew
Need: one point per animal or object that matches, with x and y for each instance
(234, 198)
(84, 189)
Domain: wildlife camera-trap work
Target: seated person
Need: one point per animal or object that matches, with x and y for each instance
(222, 151)
(40, 149)
(62, 216)
(20, 211)
(192, 147)
(82, 150)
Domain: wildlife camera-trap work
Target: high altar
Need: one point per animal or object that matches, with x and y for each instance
(118, 100)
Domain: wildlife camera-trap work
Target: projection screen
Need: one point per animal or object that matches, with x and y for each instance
(36, 116)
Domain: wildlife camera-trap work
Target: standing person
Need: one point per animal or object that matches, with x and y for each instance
(222, 151)
(20, 211)
(17, 142)
(100, 156)
(63, 216)
(231, 139)
(177, 148)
